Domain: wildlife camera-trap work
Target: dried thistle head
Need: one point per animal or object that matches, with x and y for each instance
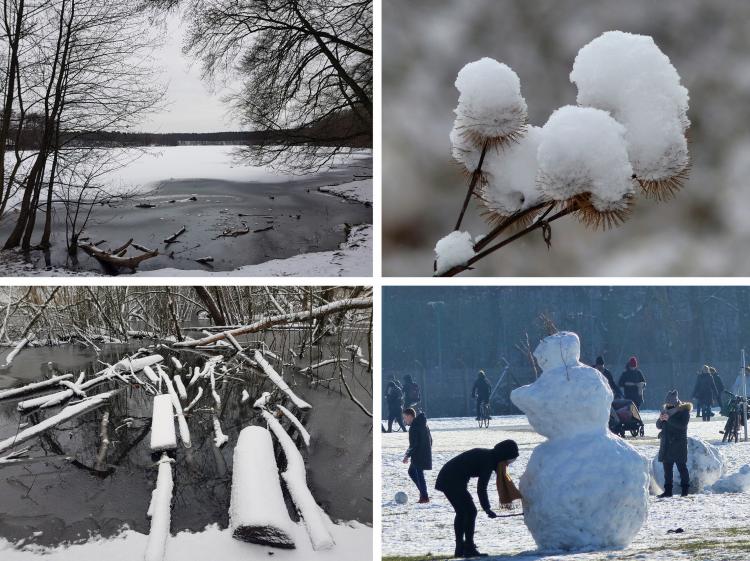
(601, 217)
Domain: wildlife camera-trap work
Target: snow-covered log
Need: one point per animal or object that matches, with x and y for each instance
(177, 363)
(66, 414)
(321, 364)
(137, 364)
(160, 511)
(296, 422)
(181, 391)
(220, 439)
(12, 354)
(262, 401)
(181, 422)
(150, 374)
(30, 388)
(116, 260)
(295, 478)
(257, 512)
(279, 381)
(271, 321)
(162, 424)
(195, 400)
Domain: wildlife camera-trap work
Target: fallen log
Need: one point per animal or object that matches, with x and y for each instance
(159, 511)
(181, 422)
(276, 378)
(297, 424)
(195, 400)
(259, 230)
(295, 478)
(30, 388)
(173, 237)
(163, 436)
(220, 439)
(257, 512)
(66, 414)
(271, 321)
(115, 260)
(12, 354)
(236, 232)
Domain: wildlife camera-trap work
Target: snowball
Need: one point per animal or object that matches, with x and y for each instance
(630, 77)
(583, 150)
(490, 104)
(705, 465)
(567, 502)
(510, 174)
(454, 249)
(736, 483)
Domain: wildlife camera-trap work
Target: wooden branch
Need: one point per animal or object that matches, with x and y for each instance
(115, 260)
(173, 237)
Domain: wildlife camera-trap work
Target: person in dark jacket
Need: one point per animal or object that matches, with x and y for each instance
(608, 376)
(481, 390)
(719, 384)
(632, 382)
(704, 393)
(394, 397)
(453, 481)
(673, 443)
(419, 452)
(412, 394)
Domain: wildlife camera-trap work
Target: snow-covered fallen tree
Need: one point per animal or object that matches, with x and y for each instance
(257, 512)
(163, 436)
(33, 387)
(276, 378)
(160, 511)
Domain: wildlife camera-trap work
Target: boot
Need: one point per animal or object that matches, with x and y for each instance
(470, 550)
(685, 489)
(667, 492)
(423, 500)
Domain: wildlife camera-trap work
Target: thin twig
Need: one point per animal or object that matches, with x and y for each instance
(474, 179)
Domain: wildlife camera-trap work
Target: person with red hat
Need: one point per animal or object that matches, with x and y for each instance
(633, 382)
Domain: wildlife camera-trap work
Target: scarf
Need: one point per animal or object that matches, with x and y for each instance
(506, 489)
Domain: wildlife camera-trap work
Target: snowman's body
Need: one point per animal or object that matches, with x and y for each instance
(583, 487)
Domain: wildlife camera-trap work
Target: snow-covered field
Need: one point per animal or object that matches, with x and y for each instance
(716, 526)
(353, 541)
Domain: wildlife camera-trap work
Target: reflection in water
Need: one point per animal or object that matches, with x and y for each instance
(66, 498)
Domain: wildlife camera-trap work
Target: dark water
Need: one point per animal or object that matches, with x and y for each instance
(68, 502)
(304, 220)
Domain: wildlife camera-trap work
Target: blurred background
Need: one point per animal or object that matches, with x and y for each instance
(703, 232)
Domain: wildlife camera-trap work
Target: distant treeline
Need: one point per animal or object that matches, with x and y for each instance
(340, 131)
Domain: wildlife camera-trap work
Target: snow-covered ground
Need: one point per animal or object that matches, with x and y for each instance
(353, 541)
(359, 191)
(715, 526)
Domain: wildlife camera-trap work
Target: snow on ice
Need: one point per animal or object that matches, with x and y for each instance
(454, 249)
(584, 487)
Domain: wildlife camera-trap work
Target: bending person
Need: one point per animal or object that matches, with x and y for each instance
(453, 481)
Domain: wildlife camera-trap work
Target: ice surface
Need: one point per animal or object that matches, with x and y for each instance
(630, 77)
(583, 150)
(490, 104)
(163, 435)
(584, 487)
(738, 482)
(705, 465)
(511, 175)
(257, 512)
(454, 249)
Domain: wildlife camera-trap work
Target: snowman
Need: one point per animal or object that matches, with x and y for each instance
(583, 487)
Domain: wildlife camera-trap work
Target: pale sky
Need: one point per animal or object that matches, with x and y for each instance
(190, 104)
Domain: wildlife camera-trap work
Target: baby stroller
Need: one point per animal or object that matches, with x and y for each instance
(625, 417)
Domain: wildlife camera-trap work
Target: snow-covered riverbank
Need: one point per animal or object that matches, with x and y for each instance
(715, 525)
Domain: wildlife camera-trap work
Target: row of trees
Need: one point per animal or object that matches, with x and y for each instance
(66, 66)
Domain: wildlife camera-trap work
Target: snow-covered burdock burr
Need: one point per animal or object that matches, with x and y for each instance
(567, 502)
(453, 250)
(257, 512)
(629, 76)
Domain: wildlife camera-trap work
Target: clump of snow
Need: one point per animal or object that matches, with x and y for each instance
(705, 465)
(738, 482)
(629, 76)
(163, 436)
(583, 151)
(490, 104)
(567, 502)
(453, 250)
(511, 175)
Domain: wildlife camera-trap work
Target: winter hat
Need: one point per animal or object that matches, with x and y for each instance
(672, 398)
(633, 362)
(706, 369)
(506, 450)
(600, 361)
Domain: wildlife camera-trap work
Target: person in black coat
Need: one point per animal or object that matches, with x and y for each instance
(704, 393)
(412, 393)
(453, 481)
(673, 443)
(599, 365)
(719, 384)
(632, 382)
(419, 451)
(394, 397)
(481, 390)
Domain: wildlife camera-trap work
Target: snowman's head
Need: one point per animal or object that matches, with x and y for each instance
(568, 398)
